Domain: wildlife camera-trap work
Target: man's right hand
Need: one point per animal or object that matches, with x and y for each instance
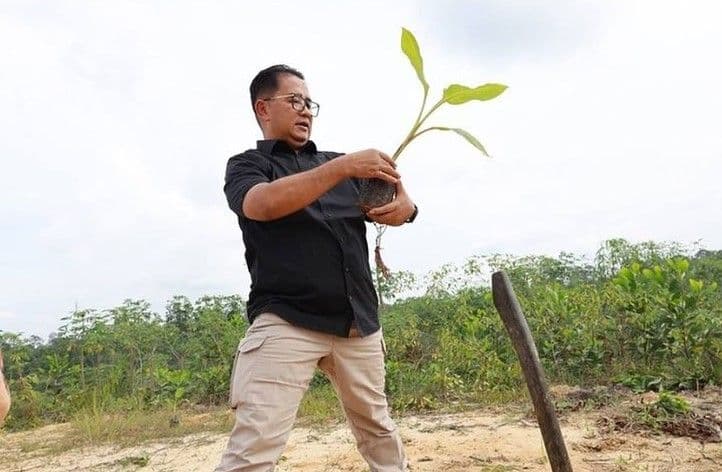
(369, 163)
(272, 200)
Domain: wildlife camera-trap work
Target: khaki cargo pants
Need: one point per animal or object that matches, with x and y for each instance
(274, 365)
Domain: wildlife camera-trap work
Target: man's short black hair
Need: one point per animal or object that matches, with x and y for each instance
(266, 81)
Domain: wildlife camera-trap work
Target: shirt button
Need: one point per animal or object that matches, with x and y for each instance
(348, 270)
(350, 298)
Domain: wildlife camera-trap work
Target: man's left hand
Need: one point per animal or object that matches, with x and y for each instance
(395, 213)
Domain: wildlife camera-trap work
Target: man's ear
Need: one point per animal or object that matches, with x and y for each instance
(262, 111)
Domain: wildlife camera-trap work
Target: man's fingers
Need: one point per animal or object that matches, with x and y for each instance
(387, 159)
(386, 174)
(382, 210)
(390, 171)
(388, 178)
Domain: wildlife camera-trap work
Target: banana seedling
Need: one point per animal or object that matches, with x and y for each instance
(377, 192)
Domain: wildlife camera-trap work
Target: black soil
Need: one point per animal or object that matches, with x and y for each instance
(375, 193)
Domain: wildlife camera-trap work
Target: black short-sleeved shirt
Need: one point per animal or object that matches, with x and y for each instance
(311, 267)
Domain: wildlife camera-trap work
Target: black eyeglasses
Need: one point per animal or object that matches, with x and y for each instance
(299, 103)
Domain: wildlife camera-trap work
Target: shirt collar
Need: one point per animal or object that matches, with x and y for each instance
(268, 146)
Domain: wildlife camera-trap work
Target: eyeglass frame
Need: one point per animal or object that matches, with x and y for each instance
(307, 102)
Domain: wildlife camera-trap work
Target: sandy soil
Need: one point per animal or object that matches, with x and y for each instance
(480, 440)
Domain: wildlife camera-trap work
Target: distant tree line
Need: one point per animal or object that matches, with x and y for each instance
(647, 315)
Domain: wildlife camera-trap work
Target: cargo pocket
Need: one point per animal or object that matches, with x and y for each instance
(240, 365)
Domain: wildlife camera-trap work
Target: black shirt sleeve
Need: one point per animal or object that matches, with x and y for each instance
(243, 172)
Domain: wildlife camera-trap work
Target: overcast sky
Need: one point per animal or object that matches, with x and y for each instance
(118, 118)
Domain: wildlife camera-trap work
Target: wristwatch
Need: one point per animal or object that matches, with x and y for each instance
(411, 218)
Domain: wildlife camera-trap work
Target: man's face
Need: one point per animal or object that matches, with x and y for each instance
(278, 117)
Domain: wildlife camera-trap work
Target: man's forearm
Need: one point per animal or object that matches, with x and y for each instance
(273, 200)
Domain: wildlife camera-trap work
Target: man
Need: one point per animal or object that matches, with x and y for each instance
(4, 394)
(312, 301)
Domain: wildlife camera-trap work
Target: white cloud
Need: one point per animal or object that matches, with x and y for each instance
(120, 117)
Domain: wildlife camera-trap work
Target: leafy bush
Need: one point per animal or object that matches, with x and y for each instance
(648, 316)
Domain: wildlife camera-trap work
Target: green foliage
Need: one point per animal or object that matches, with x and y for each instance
(707, 265)
(641, 383)
(389, 287)
(171, 386)
(664, 411)
(454, 94)
(646, 315)
(648, 324)
(672, 322)
(320, 405)
(411, 48)
(447, 348)
(464, 134)
(125, 358)
(617, 253)
(671, 404)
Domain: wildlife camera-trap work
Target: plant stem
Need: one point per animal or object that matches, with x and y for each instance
(380, 266)
(425, 130)
(423, 105)
(419, 121)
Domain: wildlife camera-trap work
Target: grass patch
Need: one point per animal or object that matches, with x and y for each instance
(126, 429)
(320, 406)
(130, 428)
(140, 461)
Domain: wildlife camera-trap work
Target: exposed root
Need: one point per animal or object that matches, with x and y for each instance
(380, 265)
(385, 271)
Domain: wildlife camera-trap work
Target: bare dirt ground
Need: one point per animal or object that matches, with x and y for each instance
(481, 440)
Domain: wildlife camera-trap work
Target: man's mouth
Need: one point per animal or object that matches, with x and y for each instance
(303, 125)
